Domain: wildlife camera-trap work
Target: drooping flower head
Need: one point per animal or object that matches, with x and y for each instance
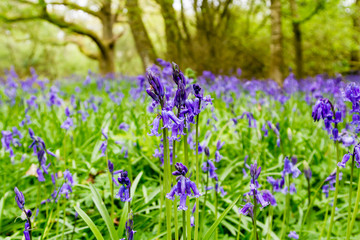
(324, 109)
(19, 198)
(124, 191)
(183, 188)
(156, 90)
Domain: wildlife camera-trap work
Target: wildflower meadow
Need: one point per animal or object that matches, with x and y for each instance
(171, 154)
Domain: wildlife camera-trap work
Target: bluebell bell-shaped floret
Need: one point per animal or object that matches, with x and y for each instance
(251, 119)
(27, 231)
(335, 135)
(323, 109)
(19, 198)
(265, 130)
(344, 160)
(218, 156)
(68, 177)
(156, 90)
(197, 91)
(103, 148)
(124, 193)
(293, 235)
(16, 132)
(182, 204)
(290, 168)
(352, 94)
(181, 169)
(325, 189)
(65, 190)
(307, 170)
(209, 167)
(124, 126)
(332, 177)
(155, 129)
(40, 174)
(220, 189)
(338, 118)
(6, 139)
(355, 119)
(268, 197)
(180, 96)
(219, 145)
(357, 155)
(67, 124)
(292, 188)
(129, 226)
(247, 209)
(255, 171)
(177, 75)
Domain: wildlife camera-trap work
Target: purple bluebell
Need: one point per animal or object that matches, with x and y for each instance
(251, 119)
(344, 160)
(125, 184)
(192, 218)
(129, 226)
(124, 126)
(293, 235)
(209, 167)
(307, 171)
(269, 197)
(156, 90)
(155, 129)
(103, 146)
(183, 188)
(197, 91)
(19, 198)
(247, 209)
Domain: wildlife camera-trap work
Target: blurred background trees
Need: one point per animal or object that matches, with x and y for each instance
(265, 38)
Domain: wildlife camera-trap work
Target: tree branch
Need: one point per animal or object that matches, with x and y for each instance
(83, 49)
(77, 7)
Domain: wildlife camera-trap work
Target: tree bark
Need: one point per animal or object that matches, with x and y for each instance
(276, 49)
(355, 53)
(172, 31)
(296, 27)
(143, 43)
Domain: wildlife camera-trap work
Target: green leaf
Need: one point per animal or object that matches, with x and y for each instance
(89, 222)
(123, 219)
(2, 206)
(135, 183)
(217, 222)
(104, 213)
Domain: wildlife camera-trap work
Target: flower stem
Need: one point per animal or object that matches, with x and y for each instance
(239, 227)
(254, 218)
(167, 181)
(29, 221)
(336, 194)
(111, 188)
(186, 161)
(350, 198)
(203, 212)
(184, 225)
(161, 203)
(64, 216)
(175, 201)
(216, 213)
(268, 236)
(353, 218)
(325, 220)
(197, 177)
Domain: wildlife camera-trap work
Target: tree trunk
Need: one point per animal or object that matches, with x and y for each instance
(107, 56)
(355, 53)
(172, 32)
(276, 58)
(296, 27)
(142, 41)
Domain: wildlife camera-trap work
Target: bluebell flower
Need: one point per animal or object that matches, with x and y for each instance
(155, 129)
(345, 159)
(19, 198)
(184, 187)
(156, 90)
(323, 109)
(293, 235)
(124, 191)
(247, 209)
(192, 218)
(124, 126)
(251, 119)
(129, 226)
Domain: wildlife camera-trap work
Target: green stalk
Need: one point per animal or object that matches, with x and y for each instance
(29, 221)
(353, 218)
(58, 217)
(309, 191)
(336, 193)
(111, 187)
(239, 227)
(325, 220)
(286, 212)
(161, 203)
(184, 225)
(254, 220)
(216, 213)
(350, 197)
(167, 181)
(196, 236)
(203, 212)
(186, 162)
(64, 216)
(270, 222)
(175, 201)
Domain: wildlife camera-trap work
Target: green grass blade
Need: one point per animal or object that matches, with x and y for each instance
(123, 219)
(217, 222)
(90, 223)
(135, 183)
(104, 213)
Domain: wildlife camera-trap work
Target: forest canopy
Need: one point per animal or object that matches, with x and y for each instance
(262, 38)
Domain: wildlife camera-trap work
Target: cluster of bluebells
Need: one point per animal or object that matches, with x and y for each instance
(210, 169)
(324, 109)
(184, 187)
(39, 149)
(9, 139)
(129, 226)
(125, 184)
(68, 123)
(269, 126)
(103, 146)
(263, 198)
(290, 168)
(330, 180)
(20, 200)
